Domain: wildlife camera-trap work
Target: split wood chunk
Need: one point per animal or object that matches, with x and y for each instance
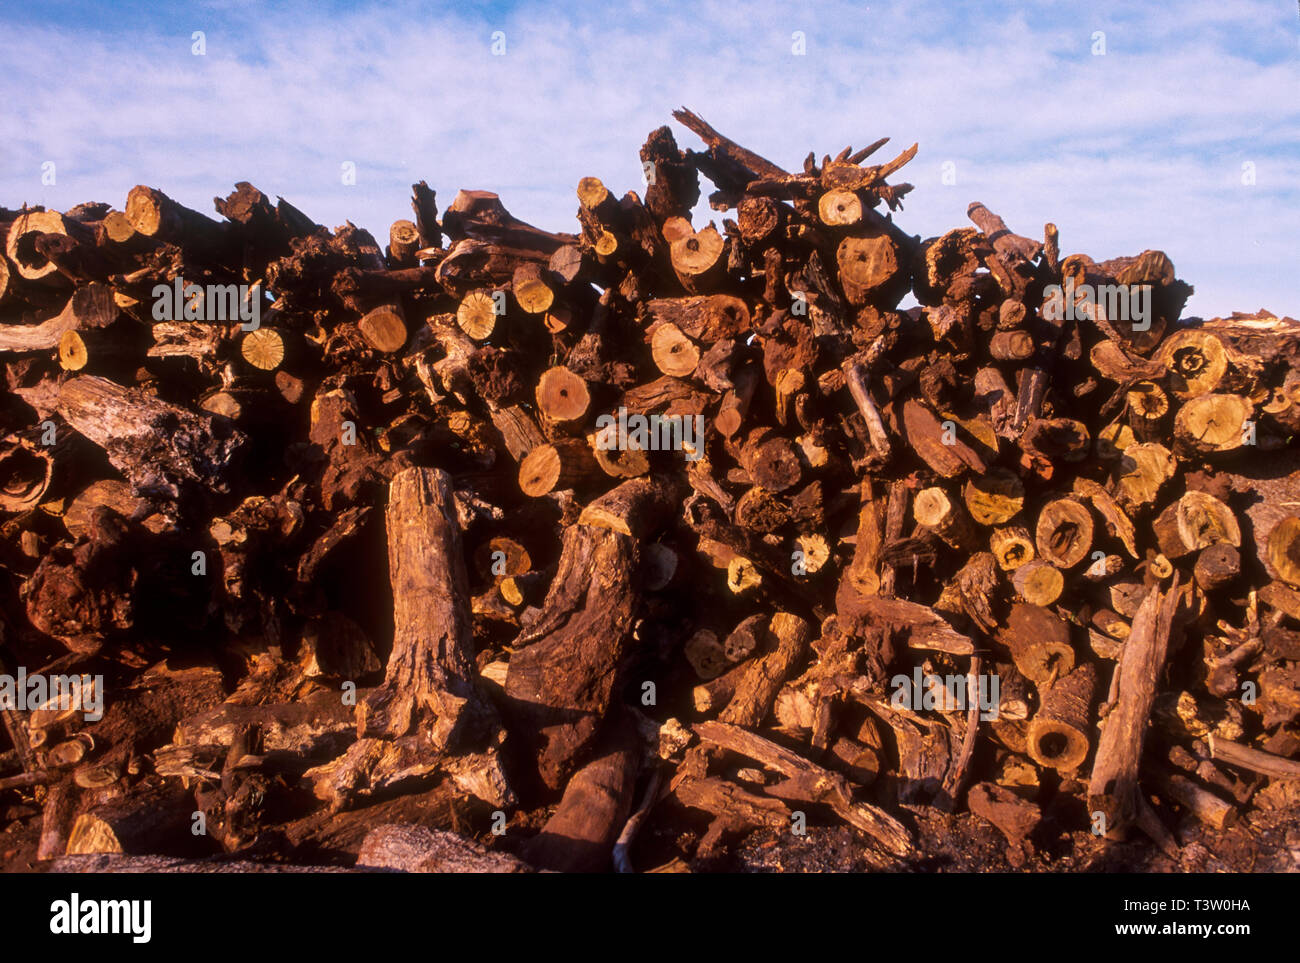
(57, 820)
(1058, 733)
(565, 463)
(674, 353)
(972, 592)
(861, 764)
(935, 509)
(1049, 440)
(995, 497)
(937, 443)
(839, 208)
(480, 215)
(760, 511)
(1113, 440)
(1195, 521)
(1015, 693)
(1039, 643)
(1012, 547)
(263, 349)
(477, 314)
(917, 626)
(566, 263)
(1117, 523)
(1064, 533)
(1213, 423)
(704, 318)
(863, 575)
(111, 493)
(1284, 549)
(1011, 314)
(562, 395)
(519, 430)
(531, 290)
(735, 810)
(384, 327)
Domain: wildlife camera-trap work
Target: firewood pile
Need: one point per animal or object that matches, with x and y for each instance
(508, 549)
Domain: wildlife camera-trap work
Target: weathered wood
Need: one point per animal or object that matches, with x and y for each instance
(1113, 785)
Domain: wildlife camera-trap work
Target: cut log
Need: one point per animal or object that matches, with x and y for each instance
(477, 314)
(1039, 642)
(935, 509)
(674, 353)
(1064, 533)
(562, 395)
(995, 497)
(565, 463)
(1059, 732)
(531, 290)
(384, 327)
(1013, 547)
(263, 349)
(757, 688)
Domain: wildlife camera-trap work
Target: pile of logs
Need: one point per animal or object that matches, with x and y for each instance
(608, 548)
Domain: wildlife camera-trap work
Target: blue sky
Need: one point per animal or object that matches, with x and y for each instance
(1142, 146)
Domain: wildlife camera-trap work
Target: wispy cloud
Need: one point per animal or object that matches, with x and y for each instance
(1142, 146)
